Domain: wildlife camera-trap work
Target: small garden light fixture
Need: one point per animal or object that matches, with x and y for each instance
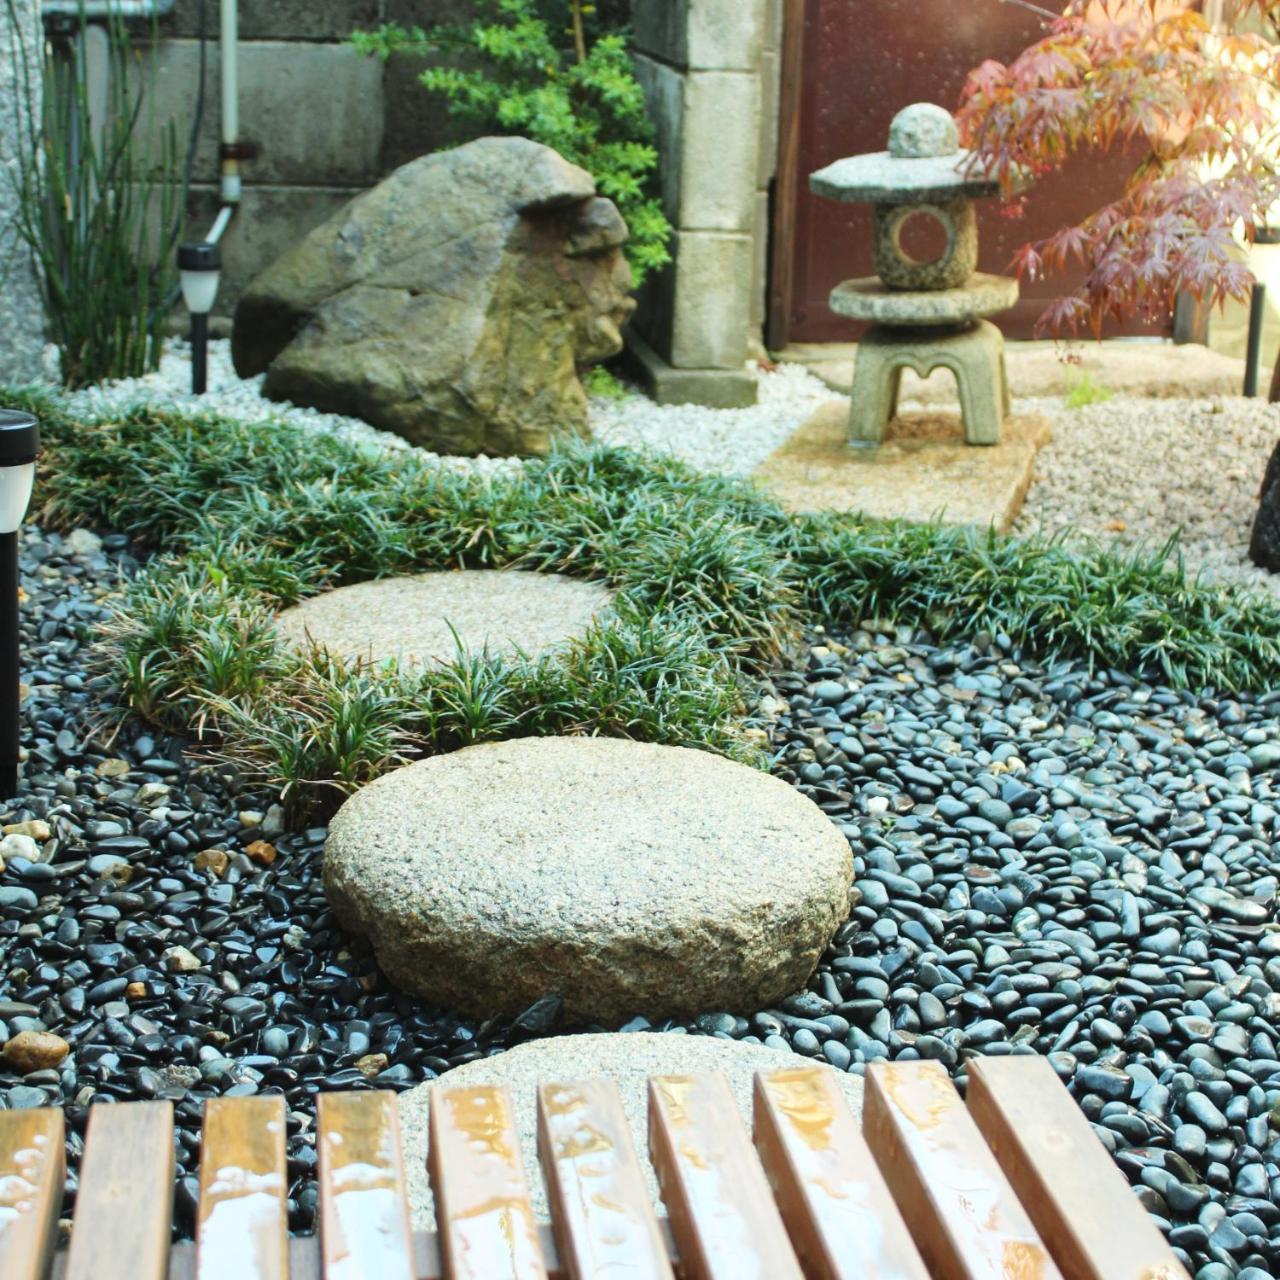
(200, 266)
(19, 448)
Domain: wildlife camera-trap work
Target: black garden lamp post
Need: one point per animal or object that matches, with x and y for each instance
(19, 448)
(200, 267)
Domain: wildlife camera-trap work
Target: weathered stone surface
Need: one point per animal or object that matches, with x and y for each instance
(878, 177)
(975, 355)
(922, 471)
(414, 620)
(899, 270)
(627, 1060)
(923, 129)
(625, 877)
(22, 316)
(1264, 544)
(453, 304)
(868, 298)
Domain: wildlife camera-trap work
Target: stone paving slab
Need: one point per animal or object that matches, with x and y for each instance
(413, 619)
(1158, 369)
(923, 471)
(628, 1060)
(625, 877)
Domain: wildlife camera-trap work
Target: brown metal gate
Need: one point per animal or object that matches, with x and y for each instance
(851, 66)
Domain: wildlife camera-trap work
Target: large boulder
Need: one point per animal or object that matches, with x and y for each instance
(454, 304)
(625, 878)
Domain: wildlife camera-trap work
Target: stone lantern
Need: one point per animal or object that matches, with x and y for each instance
(924, 315)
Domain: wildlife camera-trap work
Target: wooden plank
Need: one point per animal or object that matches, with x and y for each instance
(600, 1208)
(724, 1220)
(1080, 1203)
(364, 1213)
(842, 1220)
(486, 1223)
(124, 1206)
(32, 1171)
(966, 1219)
(242, 1226)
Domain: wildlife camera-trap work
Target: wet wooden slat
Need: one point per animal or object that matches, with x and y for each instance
(723, 1217)
(32, 1168)
(242, 1226)
(603, 1219)
(964, 1216)
(1085, 1211)
(124, 1205)
(842, 1220)
(364, 1214)
(486, 1223)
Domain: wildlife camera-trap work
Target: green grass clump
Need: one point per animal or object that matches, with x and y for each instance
(1084, 390)
(711, 578)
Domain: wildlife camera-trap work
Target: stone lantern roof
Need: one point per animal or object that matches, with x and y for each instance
(924, 163)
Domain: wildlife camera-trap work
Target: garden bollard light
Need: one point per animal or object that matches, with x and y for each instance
(19, 448)
(200, 265)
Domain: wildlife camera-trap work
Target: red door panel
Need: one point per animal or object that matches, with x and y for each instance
(863, 60)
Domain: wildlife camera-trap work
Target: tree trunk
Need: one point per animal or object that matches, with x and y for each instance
(1264, 543)
(1275, 382)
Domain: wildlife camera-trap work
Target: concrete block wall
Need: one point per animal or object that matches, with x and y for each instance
(330, 122)
(704, 67)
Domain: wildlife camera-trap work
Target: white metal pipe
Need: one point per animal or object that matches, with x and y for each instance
(220, 224)
(229, 48)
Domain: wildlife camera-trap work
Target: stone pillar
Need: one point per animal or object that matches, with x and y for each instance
(701, 63)
(22, 319)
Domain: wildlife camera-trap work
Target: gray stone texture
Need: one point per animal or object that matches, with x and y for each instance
(22, 315)
(975, 355)
(626, 1060)
(701, 35)
(711, 282)
(424, 618)
(923, 129)
(665, 384)
(622, 876)
(869, 298)
(315, 109)
(899, 270)
(453, 304)
(326, 20)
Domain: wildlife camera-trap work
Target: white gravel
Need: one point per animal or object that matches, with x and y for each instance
(730, 440)
(1135, 470)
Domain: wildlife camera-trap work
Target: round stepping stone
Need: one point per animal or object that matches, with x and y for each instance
(628, 1060)
(625, 877)
(409, 619)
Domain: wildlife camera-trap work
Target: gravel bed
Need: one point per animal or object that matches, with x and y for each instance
(1077, 865)
(730, 440)
(1046, 861)
(1135, 470)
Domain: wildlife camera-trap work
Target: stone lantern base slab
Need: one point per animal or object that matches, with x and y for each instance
(923, 471)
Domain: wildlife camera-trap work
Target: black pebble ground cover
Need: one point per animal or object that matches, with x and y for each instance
(1059, 771)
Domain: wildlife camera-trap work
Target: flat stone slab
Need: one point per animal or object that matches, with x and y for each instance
(922, 471)
(409, 619)
(627, 1060)
(869, 298)
(625, 877)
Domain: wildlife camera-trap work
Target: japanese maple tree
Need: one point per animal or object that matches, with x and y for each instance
(1197, 108)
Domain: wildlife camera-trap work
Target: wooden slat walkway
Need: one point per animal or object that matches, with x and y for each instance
(1013, 1186)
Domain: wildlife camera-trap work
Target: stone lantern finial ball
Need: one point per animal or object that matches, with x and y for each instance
(921, 130)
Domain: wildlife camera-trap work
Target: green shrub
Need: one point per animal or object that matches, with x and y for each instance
(559, 72)
(712, 579)
(99, 212)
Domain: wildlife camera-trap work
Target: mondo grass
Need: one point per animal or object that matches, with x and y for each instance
(711, 579)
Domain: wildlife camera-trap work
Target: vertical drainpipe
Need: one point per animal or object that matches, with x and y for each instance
(231, 151)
